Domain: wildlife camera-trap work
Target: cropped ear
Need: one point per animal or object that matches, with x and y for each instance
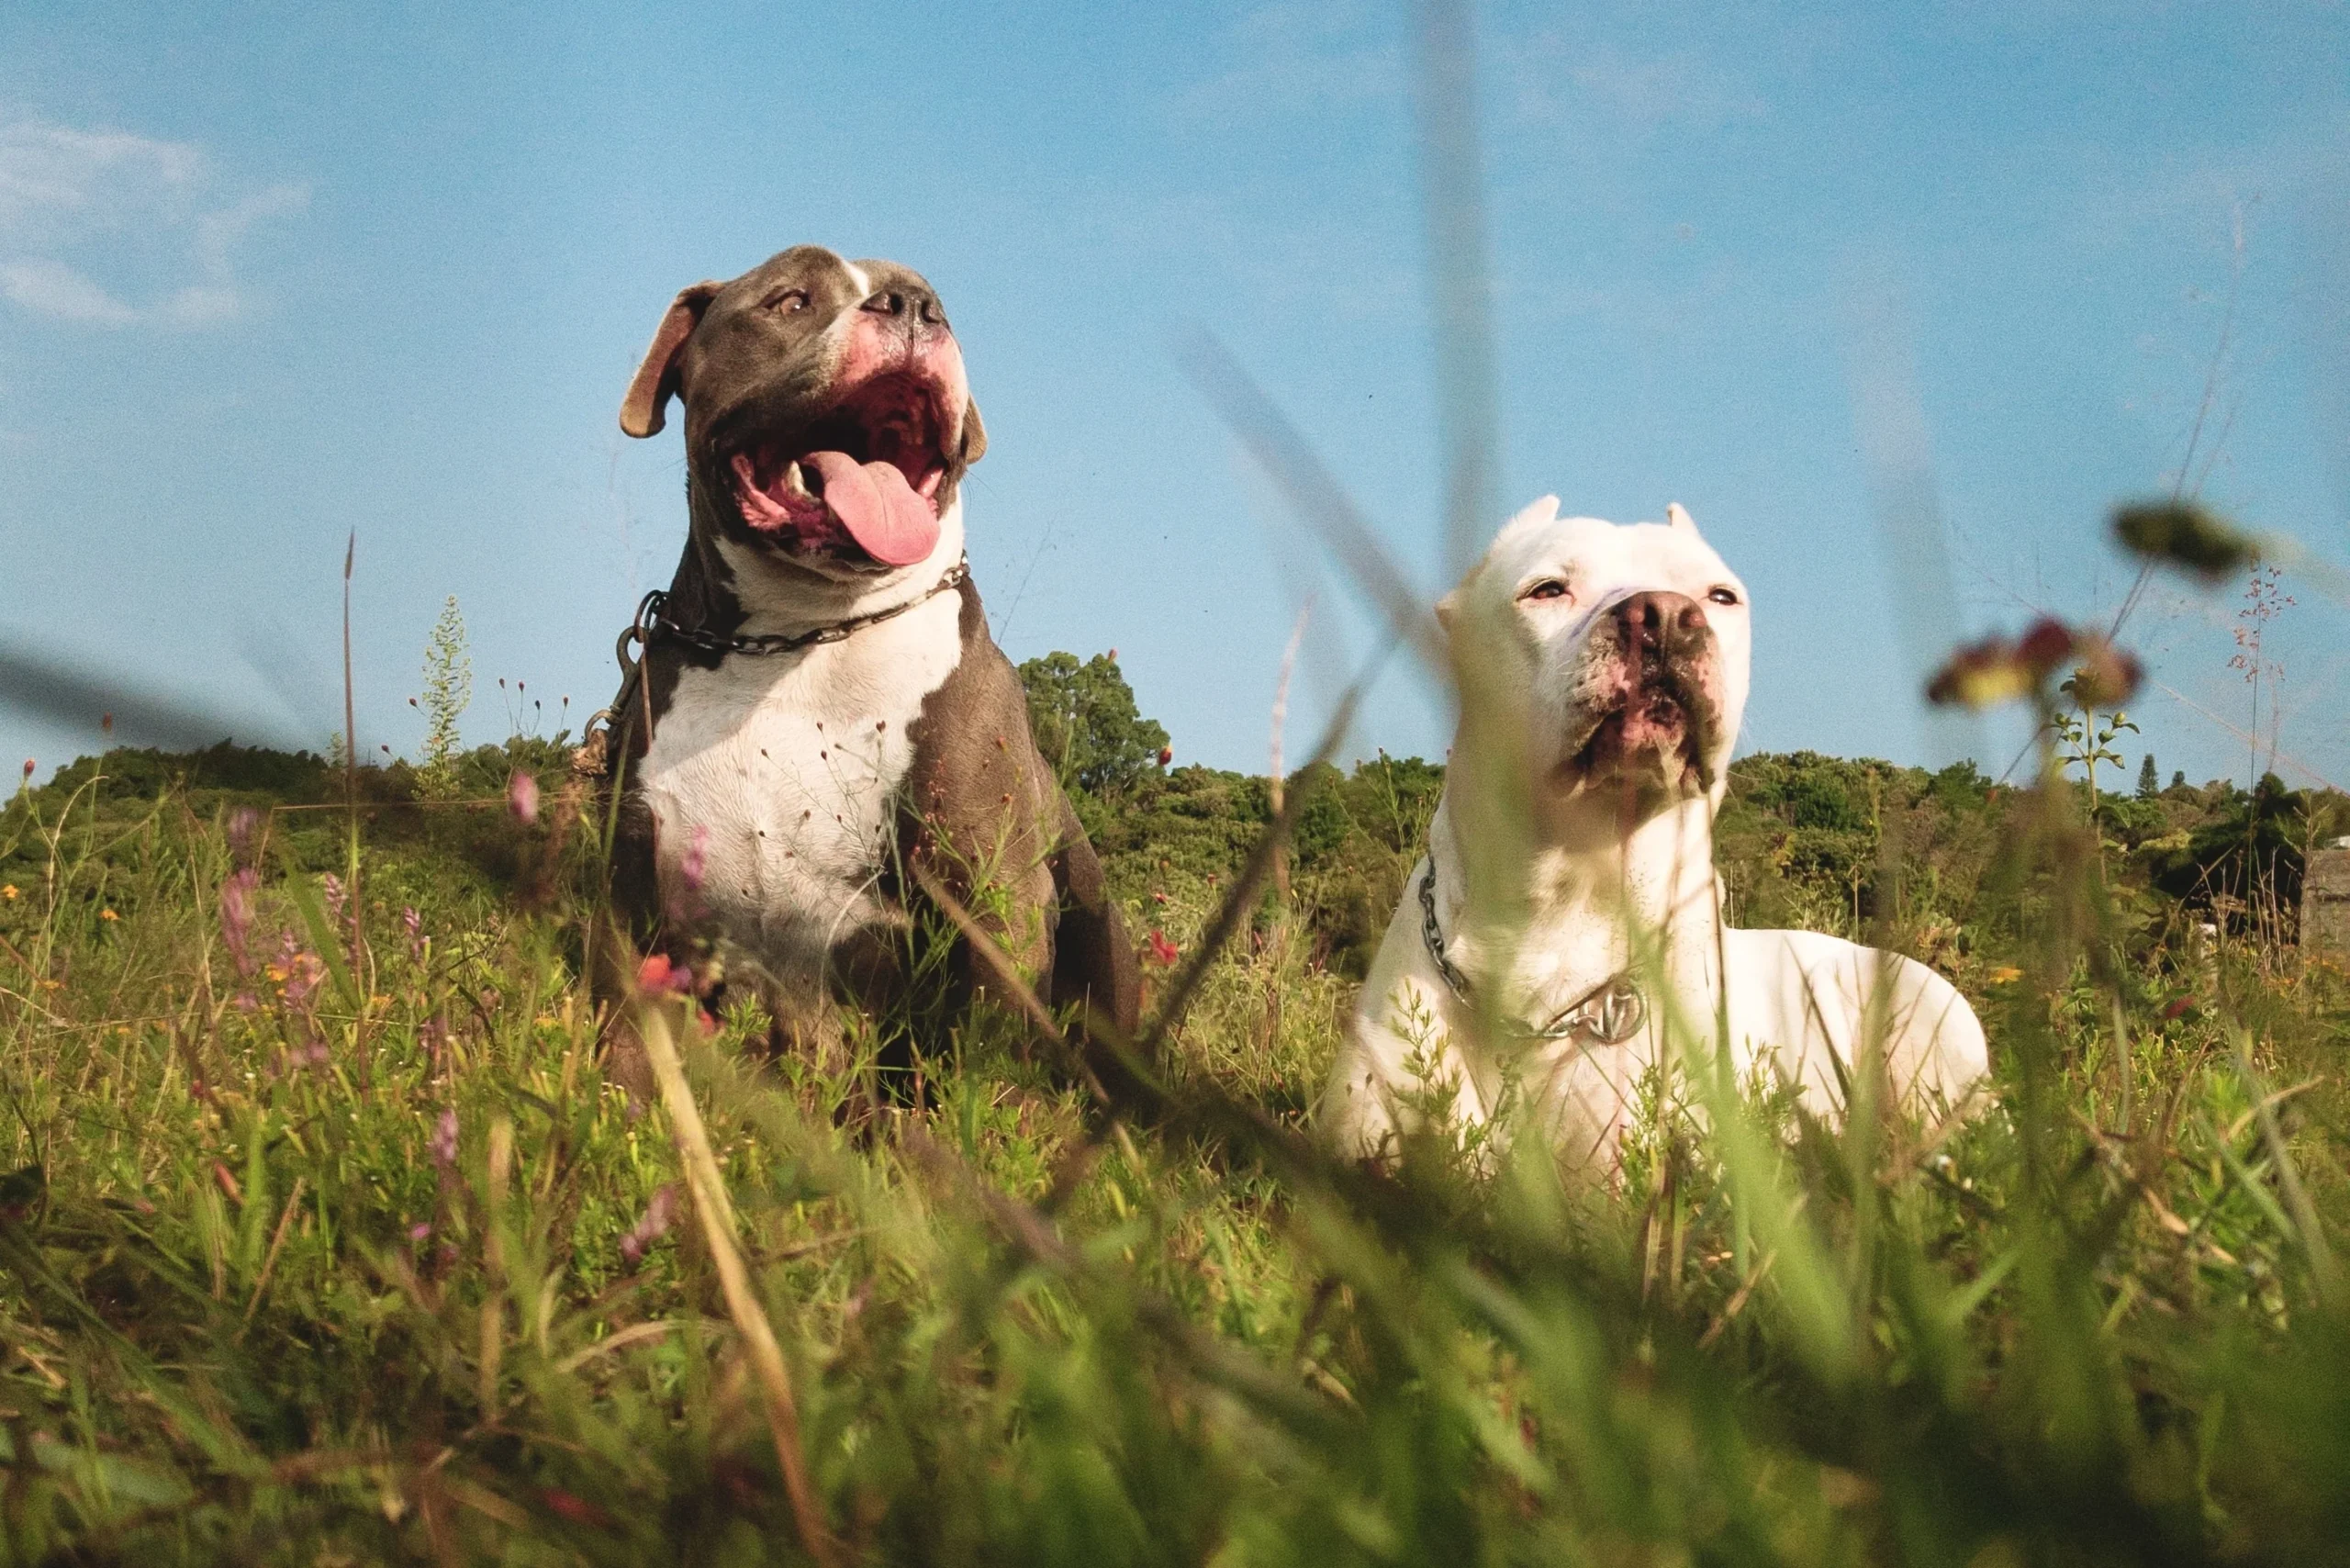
(1446, 609)
(1677, 516)
(975, 435)
(1539, 512)
(641, 411)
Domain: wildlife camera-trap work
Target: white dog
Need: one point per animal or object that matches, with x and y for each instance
(1603, 671)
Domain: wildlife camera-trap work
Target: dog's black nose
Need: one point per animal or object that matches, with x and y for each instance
(917, 310)
(1671, 625)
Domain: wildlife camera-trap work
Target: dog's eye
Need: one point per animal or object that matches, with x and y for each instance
(785, 300)
(1724, 595)
(1548, 588)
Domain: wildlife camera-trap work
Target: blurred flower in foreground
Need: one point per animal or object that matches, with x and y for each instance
(1995, 670)
(443, 1143)
(658, 977)
(236, 916)
(2179, 534)
(522, 799)
(243, 823)
(658, 1214)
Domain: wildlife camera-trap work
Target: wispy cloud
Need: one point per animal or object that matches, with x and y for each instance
(1548, 79)
(1296, 57)
(107, 229)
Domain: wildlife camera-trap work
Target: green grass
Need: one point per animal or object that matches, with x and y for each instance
(254, 1311)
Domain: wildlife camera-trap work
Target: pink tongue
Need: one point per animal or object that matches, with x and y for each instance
(879, 509)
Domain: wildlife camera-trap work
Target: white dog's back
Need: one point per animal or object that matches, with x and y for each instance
(1812, 1003)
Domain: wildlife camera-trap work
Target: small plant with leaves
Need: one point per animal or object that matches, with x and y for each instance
(448, 691)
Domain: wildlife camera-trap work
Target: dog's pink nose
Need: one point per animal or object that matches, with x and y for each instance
(1672, 625)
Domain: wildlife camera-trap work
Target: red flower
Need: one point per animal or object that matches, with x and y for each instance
(1159, 950)
(2180, 1008)
(2044, 644)
(658, 977)
(578, 1510)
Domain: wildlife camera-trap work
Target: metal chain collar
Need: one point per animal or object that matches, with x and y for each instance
(1609, 1015)
(652, 622)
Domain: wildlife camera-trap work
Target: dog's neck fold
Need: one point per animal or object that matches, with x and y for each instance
(1551, 898)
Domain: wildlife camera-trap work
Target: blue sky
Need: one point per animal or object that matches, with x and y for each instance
(270, 272)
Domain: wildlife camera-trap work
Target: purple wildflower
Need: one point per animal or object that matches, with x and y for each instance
(658, 1216)
(413, 924)
(418, 1231)
(331, 886)
(243, 823)
(522, 799)
(236, 916)
(443, 1146)
(300, 968)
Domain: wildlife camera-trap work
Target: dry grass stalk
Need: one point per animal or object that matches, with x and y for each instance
(707, 1186)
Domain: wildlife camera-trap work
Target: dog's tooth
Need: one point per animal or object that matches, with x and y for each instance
(795, 482)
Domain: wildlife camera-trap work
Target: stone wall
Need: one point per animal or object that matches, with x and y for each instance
(2325, 903)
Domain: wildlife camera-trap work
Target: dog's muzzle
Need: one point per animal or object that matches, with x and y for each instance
(1648, 704)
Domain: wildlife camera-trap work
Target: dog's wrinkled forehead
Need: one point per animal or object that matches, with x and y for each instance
(787, 302)
(1599, 564)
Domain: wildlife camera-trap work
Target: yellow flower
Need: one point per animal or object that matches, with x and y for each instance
(8, 891)
(109, 915)
(2006, 974)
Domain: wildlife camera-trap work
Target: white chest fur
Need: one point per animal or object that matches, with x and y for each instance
(773, 782)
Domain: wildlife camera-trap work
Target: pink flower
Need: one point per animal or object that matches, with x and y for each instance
(658, 977)
(413, 924)
(522, 799)
(236, 916)
(659, 1213)
(1159, 950)
(418, 1231)
(696, 861)
(331, 886)
(443, 1145)
(243, 823)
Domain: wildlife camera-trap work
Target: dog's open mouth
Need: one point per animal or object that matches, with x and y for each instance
(861, 479)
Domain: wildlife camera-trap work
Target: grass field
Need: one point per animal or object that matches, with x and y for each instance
(328, 1243)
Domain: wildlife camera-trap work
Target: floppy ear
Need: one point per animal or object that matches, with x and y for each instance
(657, 379)
(1677, 516)
(975, 435)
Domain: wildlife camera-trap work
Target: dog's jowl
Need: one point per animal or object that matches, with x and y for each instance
(1565, 930)
(820, 714)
